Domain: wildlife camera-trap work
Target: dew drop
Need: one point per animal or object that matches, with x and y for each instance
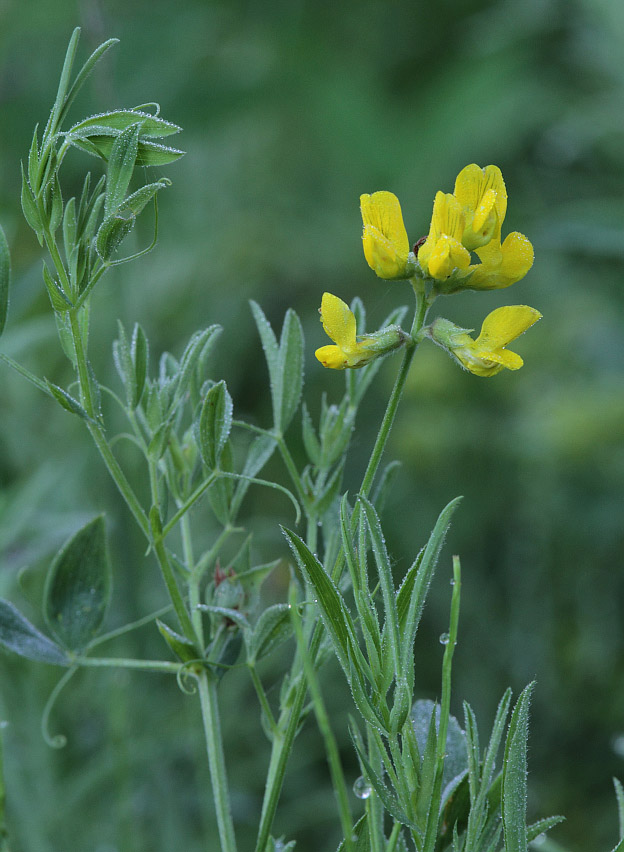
(452, 582)
(362, 788)
(445, 639)
(617, 744)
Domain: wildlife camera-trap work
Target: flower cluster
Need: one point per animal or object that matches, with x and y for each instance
(467, 220)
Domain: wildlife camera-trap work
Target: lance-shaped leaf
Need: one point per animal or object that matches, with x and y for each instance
(384, 572)
(330, 602)
(78, 586)
(180, 645)
(361, 836)
(148, 153)
(386, 795)
(215, 423)
(17, 634)
(272, 628)
(285, 363)
(120, 119)
(120, 167)
(514, 793)
(5, 277)
(413, 592)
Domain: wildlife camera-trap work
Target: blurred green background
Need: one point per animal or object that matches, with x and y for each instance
(292, 109)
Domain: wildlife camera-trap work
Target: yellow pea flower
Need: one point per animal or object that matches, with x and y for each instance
(471, 220)
(483, 196)
(386, 245)
(501, 264)
(349, 350)
(486, 355)
(442, 254)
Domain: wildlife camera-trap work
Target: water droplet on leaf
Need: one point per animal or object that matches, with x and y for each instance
(362, 788)
(445, 639)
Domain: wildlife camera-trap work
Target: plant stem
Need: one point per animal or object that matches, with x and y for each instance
(331, 747)
(290, 716)
(125, 663)
(216, 761)
(397, 391)
(445, 706)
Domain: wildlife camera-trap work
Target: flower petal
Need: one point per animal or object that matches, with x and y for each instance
(504, 325)
(338, 321)
(501, 265)
(473, 183)
(386, 245)
(332, 357)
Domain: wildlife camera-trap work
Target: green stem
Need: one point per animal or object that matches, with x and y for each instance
(216, 760)
(264, 703)
(374, 807)
(290, 716)
(397, 391)
(445, 706)
(169, 577)
(322, 718)
(125, 663)
(188, 503)
(97, 433)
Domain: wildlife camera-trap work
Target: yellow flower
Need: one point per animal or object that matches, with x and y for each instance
(486, 355)
(501, 265)
(386, 245)
(483, 196)
(442, 254)
(349, 351)
(471, 220)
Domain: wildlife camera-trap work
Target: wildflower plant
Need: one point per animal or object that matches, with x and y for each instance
(428, 782)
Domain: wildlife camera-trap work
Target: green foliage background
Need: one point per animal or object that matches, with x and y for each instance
(291, 109)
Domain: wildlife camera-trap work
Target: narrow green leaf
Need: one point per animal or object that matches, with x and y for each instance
(121, 119)
(330, 602)
(17, 634)
(78, 586)
(215, 423)
(58, 299)
(542, 826)
(84, 72)
(5, 279)
(180, 645)
(68, 402)
(387, 797)
(148, 153)
(63, 86)
(112, 232)
(310, 441)
(33, 157)
(196, 350)
(271, 351)
(29, 207)
(121, 163)
(472, 746)
(361, 836)
(55, 205)
(289, 370)
(498, 729)
(413, 592)
(70, 229)
(123, 362)
(384, 571)
(139, 352)
(515, 776)
(272, 629)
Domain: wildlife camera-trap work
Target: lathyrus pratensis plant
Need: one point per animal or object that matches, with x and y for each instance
(425, 782)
